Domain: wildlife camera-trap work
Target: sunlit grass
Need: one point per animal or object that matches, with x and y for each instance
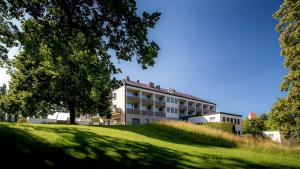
(164, 144)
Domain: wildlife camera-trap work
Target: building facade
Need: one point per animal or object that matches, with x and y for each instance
(139, 103)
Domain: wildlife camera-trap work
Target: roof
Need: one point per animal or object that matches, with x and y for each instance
(225, 114)
(165, 91)
(252, 115)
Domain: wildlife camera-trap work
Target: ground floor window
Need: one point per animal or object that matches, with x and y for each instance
(135, 121)
(146, 120)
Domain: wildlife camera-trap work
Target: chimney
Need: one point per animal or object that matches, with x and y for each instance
(127, 78)
(151, 84)
(158, 87)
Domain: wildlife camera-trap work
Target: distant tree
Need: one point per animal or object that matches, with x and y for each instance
(66, 51)
(2, 93)
(253, 126)
(285, 114)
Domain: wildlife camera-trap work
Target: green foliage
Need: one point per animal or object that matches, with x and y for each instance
(66, 46)
(227, 127)
(285, 113)
(95, 119)
(253, 126)
(22, 120)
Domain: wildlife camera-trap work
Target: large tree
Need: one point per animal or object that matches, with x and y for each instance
(285, 114)
(66, 50)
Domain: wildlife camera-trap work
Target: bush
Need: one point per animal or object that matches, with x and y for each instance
(95, 119)
(227, 127)
(22, 120)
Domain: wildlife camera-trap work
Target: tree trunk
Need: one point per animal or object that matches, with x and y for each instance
(72, 113)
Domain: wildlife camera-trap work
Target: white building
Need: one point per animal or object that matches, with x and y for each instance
(138, 103)
(273, 135)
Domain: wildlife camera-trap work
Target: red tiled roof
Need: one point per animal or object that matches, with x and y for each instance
(252, 115)
(162, 90)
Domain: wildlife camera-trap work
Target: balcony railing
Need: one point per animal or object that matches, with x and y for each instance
(198, 110)
(133, 111)
(182, 107)
(160, 103)
(133, 98)
(147, 113)
(147, 101)
(160, 114)
(205, 111)
(191, 108)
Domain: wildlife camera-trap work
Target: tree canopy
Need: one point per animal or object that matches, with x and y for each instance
(285, 113)
(66, 49)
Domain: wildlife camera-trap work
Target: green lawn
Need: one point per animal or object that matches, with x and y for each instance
(144, 146)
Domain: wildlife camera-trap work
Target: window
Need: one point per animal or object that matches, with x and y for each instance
(168, 99)
(172, 100)
(168, 109)
(135, 121)
(176, 110)
(228, 119)
(238, 132)
(145, 107)
(176, 101)
(146, 120)
(114, 96)
(231, 120)
(234, 121)
(238, 121)
(224, 119)
(172, 110)
(130, 106)
(115, 106)
(212, 119)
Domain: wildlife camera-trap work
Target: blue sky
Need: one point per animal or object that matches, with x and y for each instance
(223, 51)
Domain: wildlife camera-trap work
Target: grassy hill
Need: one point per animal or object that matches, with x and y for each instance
(156, 145)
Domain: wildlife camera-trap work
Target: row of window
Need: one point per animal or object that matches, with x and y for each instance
(136, 121)
(172, 100)
(231, 120)
(172, 110)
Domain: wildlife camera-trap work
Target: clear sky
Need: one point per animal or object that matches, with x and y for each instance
(223, 51)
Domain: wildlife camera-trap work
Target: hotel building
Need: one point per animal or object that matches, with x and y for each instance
(139, 103)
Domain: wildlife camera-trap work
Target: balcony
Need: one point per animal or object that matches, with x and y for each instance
(198, 110)
(182, 107)
(160, 103)
(133, 111)
(147, 113)
(147, 101)
(205, 111)
(134, 99)
(160, 114)
(182, 115)
(191, 108)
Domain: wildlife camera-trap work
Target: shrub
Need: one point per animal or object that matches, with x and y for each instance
(227, 127)
(22, 120)
(95, 119)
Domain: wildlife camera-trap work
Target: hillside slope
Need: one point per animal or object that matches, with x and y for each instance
(160, 145)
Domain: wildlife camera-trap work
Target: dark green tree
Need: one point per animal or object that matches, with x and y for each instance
(253, 126)
(285, 114)
(67, 47)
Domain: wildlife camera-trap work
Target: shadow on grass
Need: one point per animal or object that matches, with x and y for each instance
(177, 135)
(85, 149)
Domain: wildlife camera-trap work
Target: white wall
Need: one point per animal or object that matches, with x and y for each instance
(120, 100)
(274, 135)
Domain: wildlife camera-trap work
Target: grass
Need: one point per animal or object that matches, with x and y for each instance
(157, 145)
